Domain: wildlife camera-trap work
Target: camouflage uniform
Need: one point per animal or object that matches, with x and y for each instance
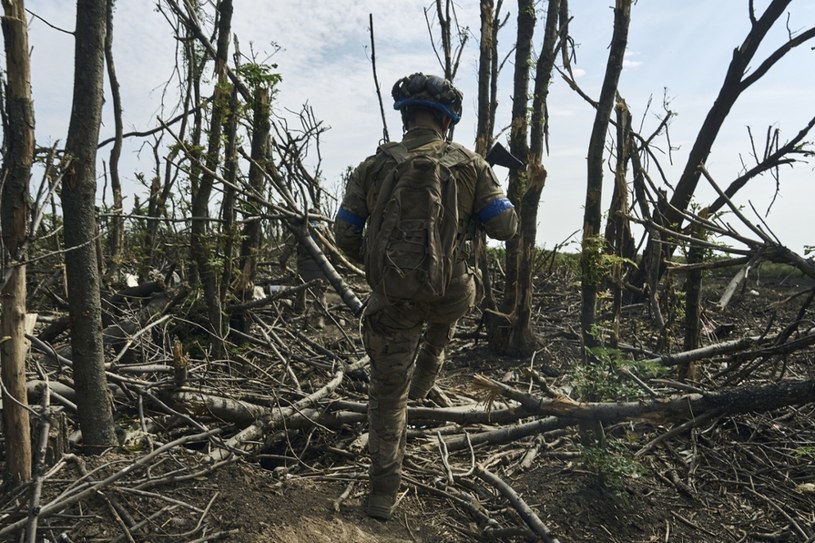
(392, 331)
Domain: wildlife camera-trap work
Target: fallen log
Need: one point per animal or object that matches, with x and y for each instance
(764, 346)
(744, 399)
(508, 434)
(459, 414)
(226, 409)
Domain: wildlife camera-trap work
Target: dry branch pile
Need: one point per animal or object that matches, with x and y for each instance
(498, 444)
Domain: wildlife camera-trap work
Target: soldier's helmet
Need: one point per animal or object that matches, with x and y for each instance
(428, 91)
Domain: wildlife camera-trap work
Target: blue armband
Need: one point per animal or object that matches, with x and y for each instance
(493, 209)
(351, 218)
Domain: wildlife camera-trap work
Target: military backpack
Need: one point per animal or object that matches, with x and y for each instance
(412, 236)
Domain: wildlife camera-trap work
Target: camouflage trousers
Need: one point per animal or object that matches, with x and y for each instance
(392, 335)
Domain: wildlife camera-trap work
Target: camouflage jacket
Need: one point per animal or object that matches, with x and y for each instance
(480, 198)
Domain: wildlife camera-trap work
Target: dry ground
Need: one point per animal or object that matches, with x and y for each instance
(745, 478)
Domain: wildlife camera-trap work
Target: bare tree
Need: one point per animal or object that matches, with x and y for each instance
(14, 213)
(251, 234)
(592, 244)
(117, 235)
(518, 145)
(510, 331)
(78, 204)
(450, 56)
(487, 104)
(523, 340)
(739, 78)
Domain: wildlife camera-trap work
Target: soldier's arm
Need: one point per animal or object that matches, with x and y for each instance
(351, 217)
(495, 212)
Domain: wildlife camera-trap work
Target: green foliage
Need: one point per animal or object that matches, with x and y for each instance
(806, 452)
(809, 249)
(597, 263)
(606, 379)
(611, 463)
(259, 74)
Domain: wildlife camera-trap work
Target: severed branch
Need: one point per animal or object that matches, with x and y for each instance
(744, 399)
(527, 514)
(246, 440)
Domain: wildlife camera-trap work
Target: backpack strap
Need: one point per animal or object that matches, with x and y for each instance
(396, 150)
(452, 157)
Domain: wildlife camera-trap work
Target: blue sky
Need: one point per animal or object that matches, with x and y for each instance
(679, 48)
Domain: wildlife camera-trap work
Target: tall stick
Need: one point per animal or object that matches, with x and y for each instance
(385, 136)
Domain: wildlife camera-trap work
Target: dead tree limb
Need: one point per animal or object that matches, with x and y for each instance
(527, 514)
(744, 399)
(60, 504)
(385, 136)
(246, 440)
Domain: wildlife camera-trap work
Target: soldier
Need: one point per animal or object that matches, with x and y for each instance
(392, 330)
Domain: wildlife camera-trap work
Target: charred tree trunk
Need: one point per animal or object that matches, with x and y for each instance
(14, 211)
(78, 199)
(518, 145)
(591, 245)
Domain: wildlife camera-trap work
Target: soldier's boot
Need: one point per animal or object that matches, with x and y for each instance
(380, 506)
(386, 449)
(428, 365)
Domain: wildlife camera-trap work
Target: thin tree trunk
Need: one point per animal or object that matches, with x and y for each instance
(117, 235)
(228, 202)
(14, 212)
(483, 135)
(78, 199)
(261, 127)
(518, 145)
(592, 247)
(523, 340)
(618, 231)
(693, 305)
(201, 247)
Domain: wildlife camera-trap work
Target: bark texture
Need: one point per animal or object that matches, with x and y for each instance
(16, 171)
(78, 203)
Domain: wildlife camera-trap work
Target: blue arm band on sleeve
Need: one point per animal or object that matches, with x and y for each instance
(351, 218)
(493, 209)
